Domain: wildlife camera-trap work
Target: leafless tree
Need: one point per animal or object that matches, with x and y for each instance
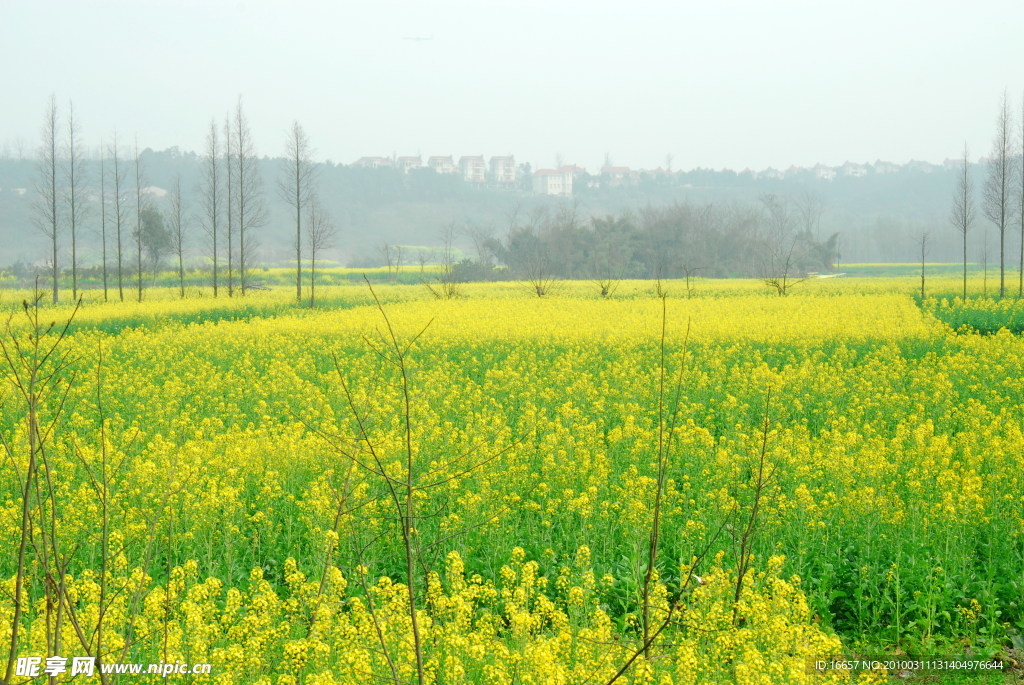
(120, 212)
(780, 270)
(47, 215)
(176, 216)
(607, 268)
(297, 188)
(321, 232)
(103, 217)
(229, 166)
(690, 278)
(780, 261)
(249, 194)
(398, 259)
(809, 208)
(386, 253)
(1000, 184)
(444, 286)
(140, 205)
(75, 192)
(210, 195)
(962, 213)
(37, 373)
(778, 217)
(483, 238)
(533, 260)
(406, 487)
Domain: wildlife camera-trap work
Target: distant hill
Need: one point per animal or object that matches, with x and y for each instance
(878, 209)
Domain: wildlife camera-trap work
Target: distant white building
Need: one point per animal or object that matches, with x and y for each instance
(615, 175)
(553, 181)
(853, 170)
(405, 164)
(442, 165)
(373, 162)
(473, 168)
(823, 172)
(503, 169)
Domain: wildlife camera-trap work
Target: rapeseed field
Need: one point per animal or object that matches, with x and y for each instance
(256, 486)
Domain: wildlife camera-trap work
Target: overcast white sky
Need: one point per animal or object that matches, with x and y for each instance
(734, 83)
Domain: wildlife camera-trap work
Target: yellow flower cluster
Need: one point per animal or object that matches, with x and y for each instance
(528, 626)
(220, 444)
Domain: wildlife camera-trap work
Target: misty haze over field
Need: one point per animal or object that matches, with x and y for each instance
(660, 105)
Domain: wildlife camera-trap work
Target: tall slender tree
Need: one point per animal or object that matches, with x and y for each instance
(962, 213)
(176, 217)
(211, 195)
(103, 218)
(296, 186)
(75, 191)
(140, 205)
(999, 184)
(120, 212)
(47, 215)
(248, 193)
(321, 232)
(229, 166)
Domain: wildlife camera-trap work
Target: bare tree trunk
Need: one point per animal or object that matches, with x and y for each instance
(296, 188)
(321, 232)
(251, 212)
(962, 213)
(138, 216)
(178, 232)
(242, 199)
(231, 190)
(76, 205)
(103, 217)
(998, 184)
(47, 191)
(211, 193)
(119, 217)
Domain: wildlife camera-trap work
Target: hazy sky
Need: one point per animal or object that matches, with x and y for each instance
(713, 83)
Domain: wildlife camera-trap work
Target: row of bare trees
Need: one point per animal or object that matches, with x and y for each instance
(135, 233)
(1002, 192)
(233, 206)
(231, 197)
(66, 199)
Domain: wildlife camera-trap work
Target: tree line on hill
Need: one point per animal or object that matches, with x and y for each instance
(100, 212)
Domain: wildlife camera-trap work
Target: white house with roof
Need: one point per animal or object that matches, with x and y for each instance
(406, 164)
(503, 169)
(442, 164)
(473, 168)
(553, 181)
